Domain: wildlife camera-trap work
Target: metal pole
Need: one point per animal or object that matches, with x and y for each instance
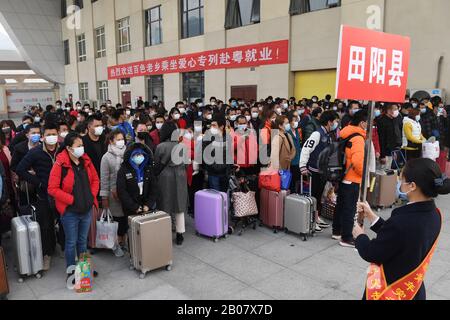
(367, 154)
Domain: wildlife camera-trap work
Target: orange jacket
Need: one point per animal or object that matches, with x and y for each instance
(355, 154)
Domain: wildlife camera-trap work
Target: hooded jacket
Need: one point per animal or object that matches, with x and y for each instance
(354, 154)
(60, 185)
(412, 134)
(128, 177)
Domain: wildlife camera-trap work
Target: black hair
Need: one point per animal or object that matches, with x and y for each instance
(167, 130)
(241, 117)
(316, 112)
(328, 97)
(291, 116)
(70, 139)
(72, 120)
(328, 116)
(173, 110)
(220, 119)
(427, 176)
(32, 126)
(354, 102)
(50, 126)
(49, 108)
(159, 116)
(81, 128)
(118, 113)
(94, 117)
(62, 123)
(359, 117)
(27, 117)
(179, 103)
(114, 134)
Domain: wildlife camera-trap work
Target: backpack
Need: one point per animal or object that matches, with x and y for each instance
(332, 160)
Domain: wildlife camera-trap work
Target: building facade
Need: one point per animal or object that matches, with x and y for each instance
(116, 32)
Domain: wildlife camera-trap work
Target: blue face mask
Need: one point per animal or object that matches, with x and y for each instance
(335, 126)
(423, 111)
(139, 159)
(400, 194)
(35, 138)
(377, 113)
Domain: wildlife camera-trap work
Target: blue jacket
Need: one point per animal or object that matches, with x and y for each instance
(298, 146)
(127, 130)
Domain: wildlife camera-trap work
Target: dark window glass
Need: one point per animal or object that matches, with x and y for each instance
(193, 86)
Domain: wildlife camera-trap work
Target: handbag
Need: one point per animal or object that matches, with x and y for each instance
(270, 180)
(286, 178)
(106, 234)
(244, 204)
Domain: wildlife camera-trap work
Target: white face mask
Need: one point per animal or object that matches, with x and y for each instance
(120, 144)
(198, 129)
(128, 112)
(248, 118)
(255, 115)
(37, 119)
(233, 118)
(51, 140)
(278, 111)
(98, 131)
(285, 105)
(395, 114)
(182, 110)
(295, 125)
(78, 152)
(214, 131)
(159, 126)
(209, 117)
(176, 116)
(64, 134)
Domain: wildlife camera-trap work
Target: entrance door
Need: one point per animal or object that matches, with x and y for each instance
(126, 98)
(246, 93)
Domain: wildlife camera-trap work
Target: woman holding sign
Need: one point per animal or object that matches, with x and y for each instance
(405, 243)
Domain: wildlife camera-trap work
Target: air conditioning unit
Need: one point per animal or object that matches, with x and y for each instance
(420, 94)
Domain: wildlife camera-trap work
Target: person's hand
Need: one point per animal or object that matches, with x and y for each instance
(363, 209)
(377, 155)
(444, 113)
(115, 195)
(145, 209)
(139, 210)
(105, 203)
(304, 171)
(383, 160)
(357, 231)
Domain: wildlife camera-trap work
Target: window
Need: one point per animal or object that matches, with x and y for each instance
(304, 6)
(66, 52)
(103, 91)
(123, 27)
(78, 3)
(192, 18)
(125, 81)
(63, 9)
(81, 40)
(153, 26)
(84, 91)
(101, 45)
(193, 86)
(242, 12)
(155, 86)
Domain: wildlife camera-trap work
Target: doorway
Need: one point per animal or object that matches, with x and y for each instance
(126, 98)
(247, 93)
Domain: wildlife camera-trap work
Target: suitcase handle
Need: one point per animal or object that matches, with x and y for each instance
(310, 185)
(223, 208)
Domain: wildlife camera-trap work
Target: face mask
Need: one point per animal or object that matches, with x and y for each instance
(287, 127)
(86, 110)
(159, 126)
(58, 106)
(51, 140)
(188, 135)
(35, 138)
(242, 127)
(79, 108)
(6, 129)
(200, 105)
(209, 117)
(128, 112)
(334, 126)
(213, 103)
(25, 125)
(260, 108)
(377, 113)
(155, 101)
(234, 104)
(301, 111)
(295, 124)
(279, 111)
(176, 116)
(149, 128)
(198, 129)
(233, 118)
(255, 115)
(199, 113)
(141, 135)
(353, 112)
(120, 144)
(78, 152)
(37, 119)
(64, 134)
(400, 194)
(248, 118)
(182, 110)
(335, 108)
(139, 159)
(98, 131)
(417, 118)
(396, 114)
(285, 105)
(314, 100)
(78, 119)
(440, 110)
(214, 131)
(414, 105)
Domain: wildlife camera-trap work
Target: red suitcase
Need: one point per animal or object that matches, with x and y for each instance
(272, 208)
(4, 288)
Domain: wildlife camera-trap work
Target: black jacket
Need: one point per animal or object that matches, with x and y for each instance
(19, 153)
(127, 185)
(346, 119)
(20, 137)
(92, 152)
(41, 162)
(390, 134)
(403, 241)
(219, 166)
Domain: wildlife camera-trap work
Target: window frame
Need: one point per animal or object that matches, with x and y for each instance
(149, 23)
(122, 47)
(100, 52)
(84, 91)
(150, 86)
(81, 47)
(66, 46)
(187, 78)
(185, 32)
(103, 90)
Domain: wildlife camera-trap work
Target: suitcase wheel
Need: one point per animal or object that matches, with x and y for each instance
(20, 280)
(305, 238)
(142, 276)
(169, 268)
(275, 231)
(254, 226)
(131, 268)
(216, 240)
(197, 234)
(286, 230)
(38, 276)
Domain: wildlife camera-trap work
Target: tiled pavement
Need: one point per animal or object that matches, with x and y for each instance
(257, 265)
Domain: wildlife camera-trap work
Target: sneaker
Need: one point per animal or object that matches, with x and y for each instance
(336, 237)
(347, 244)
(323, 225)
(318, 229)
(47, 262)
(180, 239)
(118, 252)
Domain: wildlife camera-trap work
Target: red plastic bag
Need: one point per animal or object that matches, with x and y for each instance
(270, 180)
(442, 160)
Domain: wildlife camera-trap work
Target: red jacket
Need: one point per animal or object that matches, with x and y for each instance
(376, 140)
(155, 137)
(61, 191)
(245, 149)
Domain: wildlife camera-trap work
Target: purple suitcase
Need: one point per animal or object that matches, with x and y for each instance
(211, 214)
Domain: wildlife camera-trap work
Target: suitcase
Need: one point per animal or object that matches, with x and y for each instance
(300, 213)
(26, 236)
(211, 214)
(4, 288)
(150, 241)
(383, 189)
(272, 208)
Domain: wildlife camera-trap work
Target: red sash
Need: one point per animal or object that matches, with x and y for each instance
(405, 288)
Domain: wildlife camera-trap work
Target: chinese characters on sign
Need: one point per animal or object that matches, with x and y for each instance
(238, 57)
(372, 65)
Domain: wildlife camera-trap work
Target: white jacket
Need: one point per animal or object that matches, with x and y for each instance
(416, 130)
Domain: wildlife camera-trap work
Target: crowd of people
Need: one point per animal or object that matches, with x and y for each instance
(70, 158)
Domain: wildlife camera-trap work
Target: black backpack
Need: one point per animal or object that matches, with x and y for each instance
(332, 162)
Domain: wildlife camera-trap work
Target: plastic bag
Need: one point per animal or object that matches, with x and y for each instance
(270, 180)
(286, 178)
(106, 235)
(83, 274)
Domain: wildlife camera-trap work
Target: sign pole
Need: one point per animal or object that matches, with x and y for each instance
(367, 153)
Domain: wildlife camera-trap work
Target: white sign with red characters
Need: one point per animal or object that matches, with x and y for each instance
(372, 65)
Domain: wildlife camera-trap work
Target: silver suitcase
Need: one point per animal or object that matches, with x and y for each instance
(150, 240)
(300, 214)
(26, 235)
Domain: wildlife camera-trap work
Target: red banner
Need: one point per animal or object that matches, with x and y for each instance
(276, 52)
(372, 65)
